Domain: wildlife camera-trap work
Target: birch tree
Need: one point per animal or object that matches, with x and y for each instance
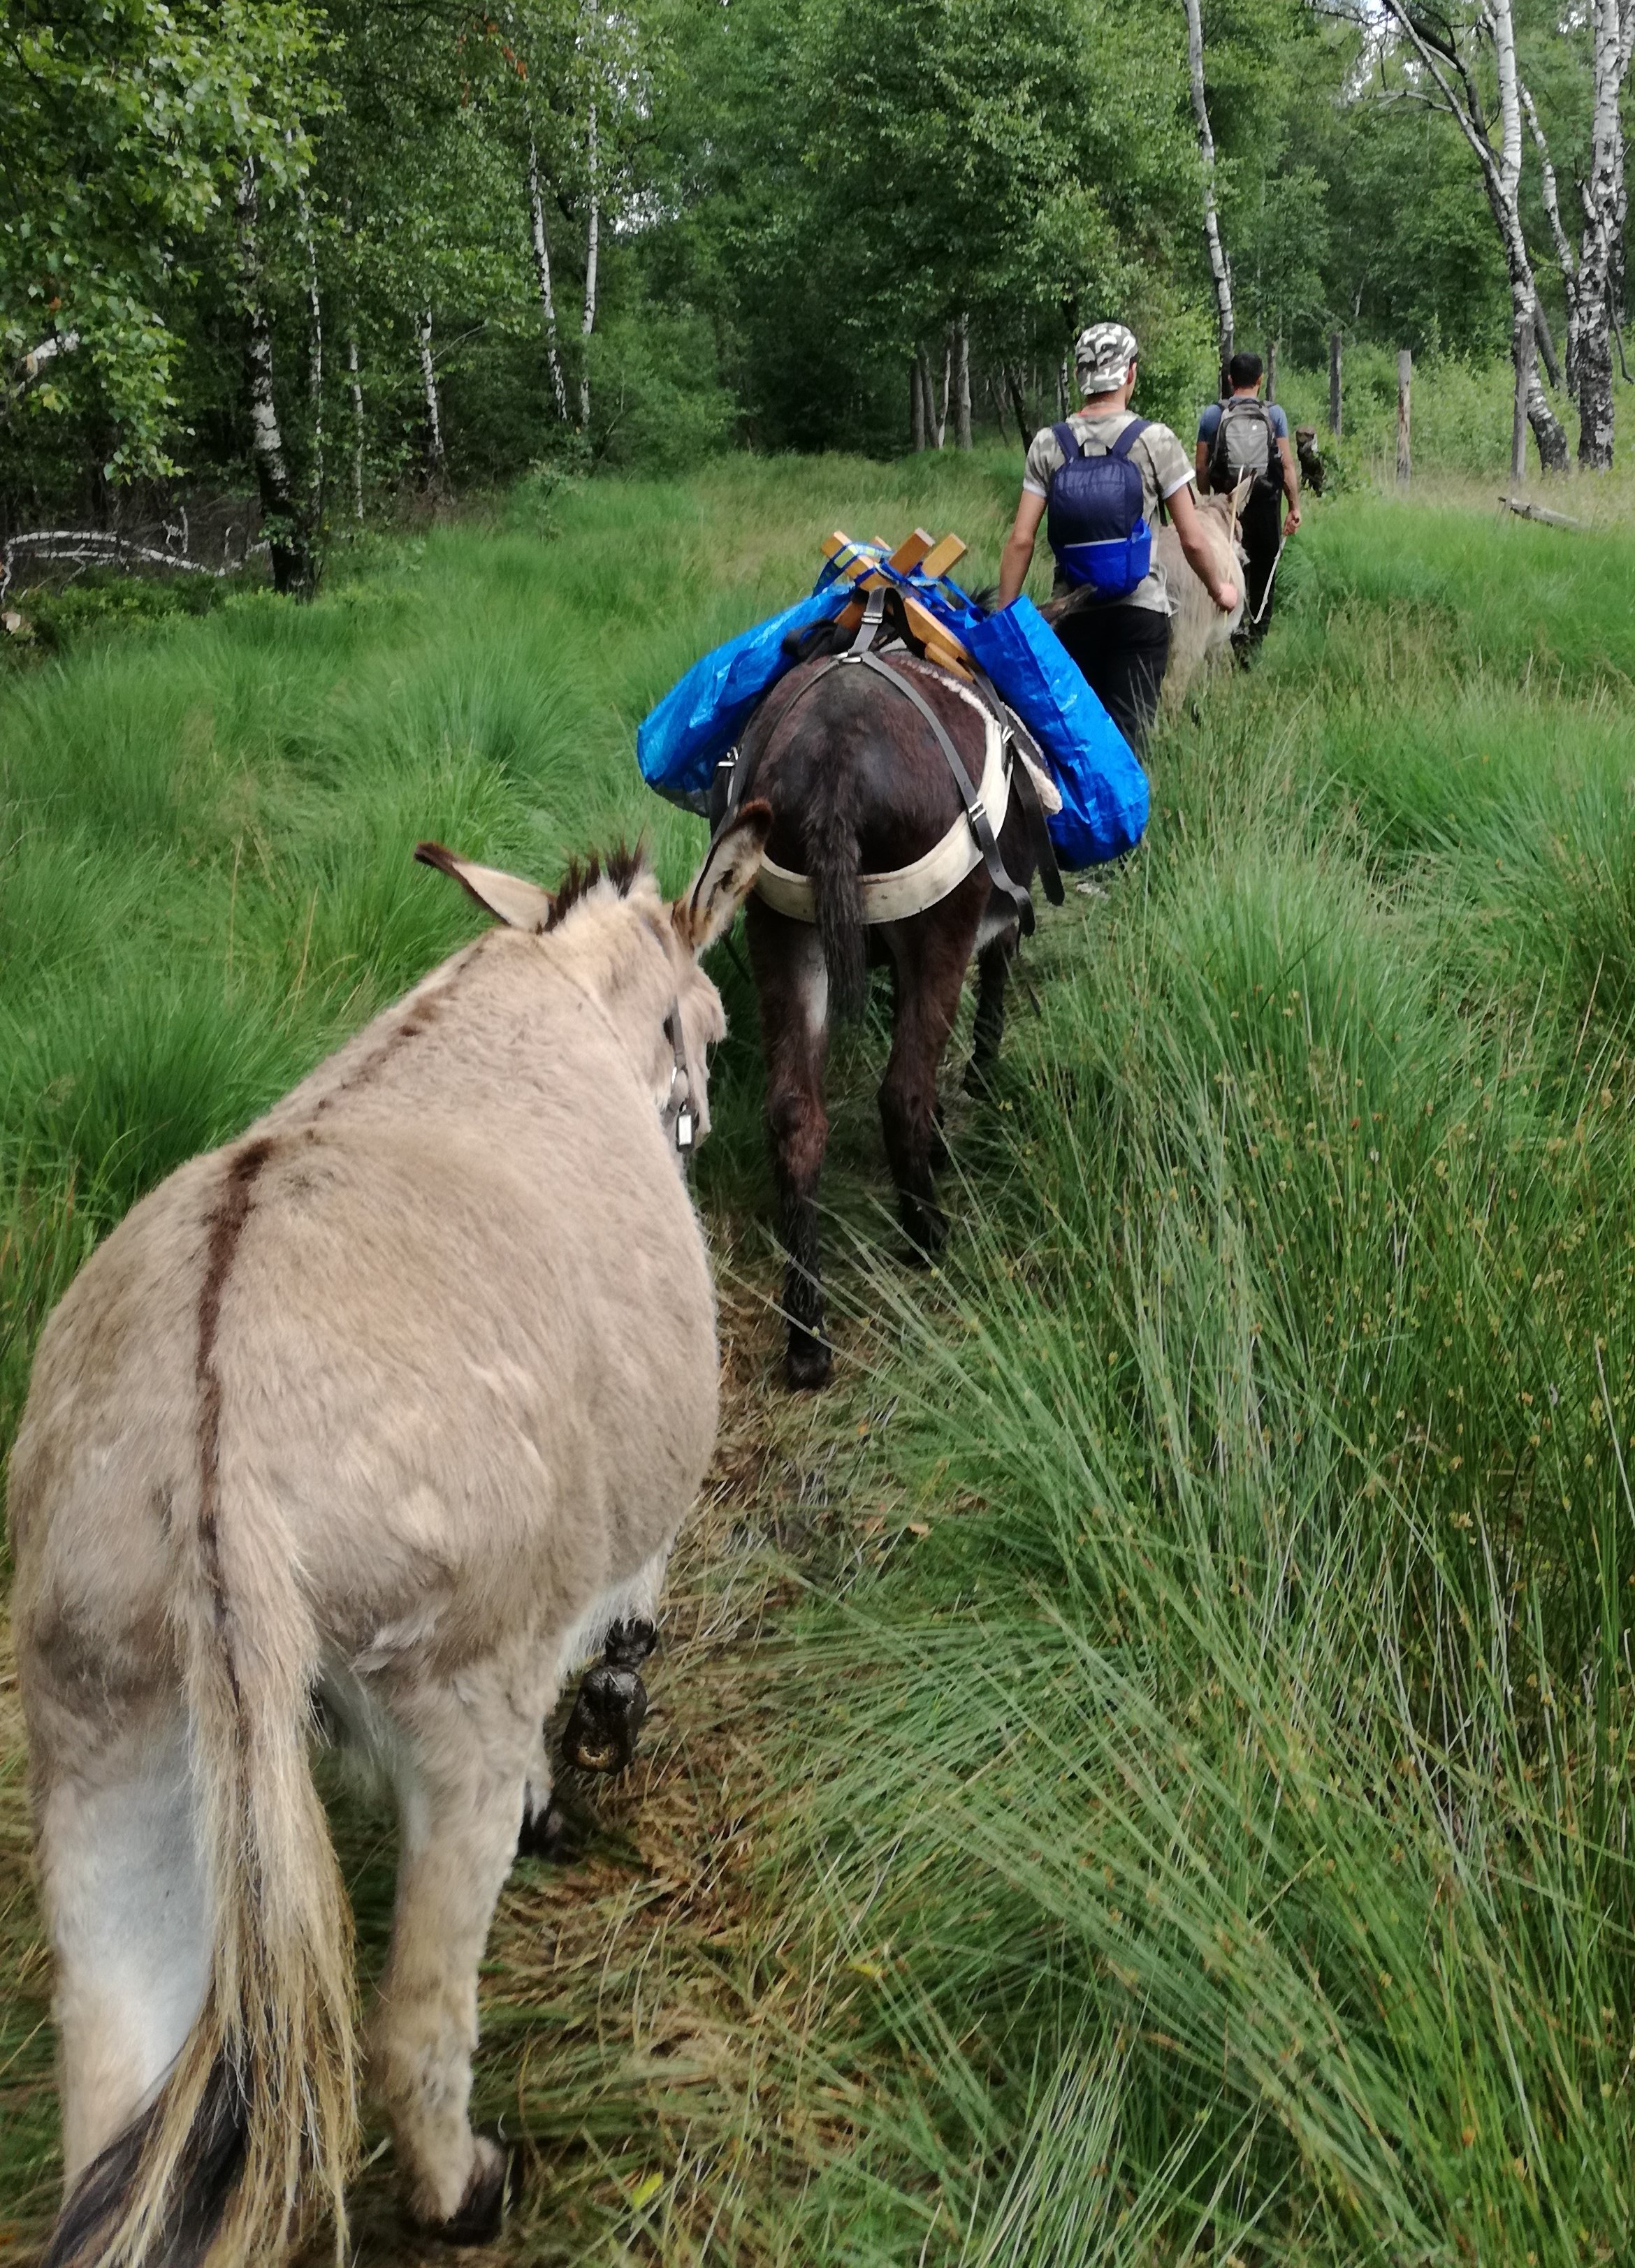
(356, 387)
(1602, 194)
(592, 247)
(1564, 259)
(1446, 51)
(1219, 267)
(123, 131)
(434, 461)
(541, 268)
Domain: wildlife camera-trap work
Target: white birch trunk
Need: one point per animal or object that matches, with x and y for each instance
(356, 384)
(314, 365)
(434, 409)
(286, 539)
(1612, 30)
(541, 268)
(1501, 178)
(916, 408)
(962, 382)
(1558, 237)
(592, 240)
(948, 380)
(1219, 267)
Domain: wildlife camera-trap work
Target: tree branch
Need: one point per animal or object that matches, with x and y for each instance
(32, 366)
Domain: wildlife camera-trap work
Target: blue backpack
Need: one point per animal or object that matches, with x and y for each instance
(1096, 529)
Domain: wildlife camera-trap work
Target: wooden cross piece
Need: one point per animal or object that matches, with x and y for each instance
(933, 559)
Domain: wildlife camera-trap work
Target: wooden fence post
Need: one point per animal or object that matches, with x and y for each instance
(1404, 418)
(1334, 383)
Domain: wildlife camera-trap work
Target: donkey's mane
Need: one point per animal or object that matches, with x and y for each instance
(620, 866)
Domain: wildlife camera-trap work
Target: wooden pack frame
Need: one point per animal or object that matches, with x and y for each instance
(919, 551)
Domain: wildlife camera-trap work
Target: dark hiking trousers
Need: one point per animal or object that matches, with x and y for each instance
(1123, 651)
(1260, 531)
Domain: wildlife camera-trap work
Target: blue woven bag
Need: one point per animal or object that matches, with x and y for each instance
(1104, 790)
(679, 743)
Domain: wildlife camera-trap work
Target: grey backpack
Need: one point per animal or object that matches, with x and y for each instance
(1246, 441)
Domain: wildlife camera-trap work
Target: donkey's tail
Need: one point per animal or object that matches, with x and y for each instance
(256, 2120)
(835, 866)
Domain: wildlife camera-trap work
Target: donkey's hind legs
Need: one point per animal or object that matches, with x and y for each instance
(467, 1745)
(793, 986)
(126, 1907)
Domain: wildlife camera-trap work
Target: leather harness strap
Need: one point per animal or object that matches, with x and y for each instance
(976, 810)
(739, 772)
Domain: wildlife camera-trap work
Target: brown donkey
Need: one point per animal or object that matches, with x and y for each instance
(390, 1408)
(860, 788)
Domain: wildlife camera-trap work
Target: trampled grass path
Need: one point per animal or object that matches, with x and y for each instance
(1142, 1772)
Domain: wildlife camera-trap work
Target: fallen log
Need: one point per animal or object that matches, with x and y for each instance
(102, 547)
(1537, 511)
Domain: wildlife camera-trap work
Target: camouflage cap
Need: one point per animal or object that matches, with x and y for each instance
(1102, 357)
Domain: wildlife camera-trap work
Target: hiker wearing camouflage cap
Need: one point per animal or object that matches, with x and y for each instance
(1106, 476)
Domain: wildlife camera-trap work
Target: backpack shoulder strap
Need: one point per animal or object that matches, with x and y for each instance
(1068, 442)
(1131, 435)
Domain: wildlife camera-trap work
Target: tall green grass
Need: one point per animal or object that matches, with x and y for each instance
(1199, 1774)
(1215, 1807)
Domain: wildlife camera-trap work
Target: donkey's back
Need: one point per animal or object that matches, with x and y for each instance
(395, 1401)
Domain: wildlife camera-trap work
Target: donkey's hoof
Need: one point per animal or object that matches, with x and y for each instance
(810, 1364)
(496, 2183)
(550, 1835)
(600, 1734)
(927, 1232)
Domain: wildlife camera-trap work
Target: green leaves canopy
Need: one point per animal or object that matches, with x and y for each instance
(122, 126)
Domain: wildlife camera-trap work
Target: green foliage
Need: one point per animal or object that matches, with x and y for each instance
(57, 619)
(123, 127)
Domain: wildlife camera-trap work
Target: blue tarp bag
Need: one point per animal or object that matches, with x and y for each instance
(1095, 524)
(679, 743)
(1104, 790)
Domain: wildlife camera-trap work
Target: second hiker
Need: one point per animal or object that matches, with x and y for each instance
(1244, 434)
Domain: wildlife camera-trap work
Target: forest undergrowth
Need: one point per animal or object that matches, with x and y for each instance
(1142, 1769)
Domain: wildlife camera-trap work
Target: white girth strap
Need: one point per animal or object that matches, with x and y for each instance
(908, 890)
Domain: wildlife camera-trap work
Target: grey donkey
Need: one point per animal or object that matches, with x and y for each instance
(390, 1408)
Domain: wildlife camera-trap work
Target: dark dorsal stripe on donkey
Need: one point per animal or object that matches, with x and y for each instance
(859, 784)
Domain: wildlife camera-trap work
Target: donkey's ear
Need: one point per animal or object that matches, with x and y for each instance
(519, 904)
(1241, 495)
(725, 879)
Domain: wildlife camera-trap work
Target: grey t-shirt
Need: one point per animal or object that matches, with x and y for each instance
(1156, 454)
